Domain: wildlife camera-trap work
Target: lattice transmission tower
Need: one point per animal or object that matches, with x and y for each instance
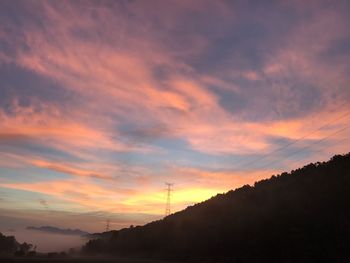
(168, 199)
(107, 225)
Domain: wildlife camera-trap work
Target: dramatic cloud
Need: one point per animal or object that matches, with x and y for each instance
(101, 103)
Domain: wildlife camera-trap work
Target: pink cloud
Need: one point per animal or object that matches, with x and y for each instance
(112, 70)
(64, 168)
(123, 78)
(84, 193)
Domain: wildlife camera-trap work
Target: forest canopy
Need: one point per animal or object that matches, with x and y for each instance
(300, 216)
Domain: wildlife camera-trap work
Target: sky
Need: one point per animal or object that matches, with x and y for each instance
(103, 102)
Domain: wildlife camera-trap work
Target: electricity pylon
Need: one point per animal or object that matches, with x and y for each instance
(168, 203)
(107, 225)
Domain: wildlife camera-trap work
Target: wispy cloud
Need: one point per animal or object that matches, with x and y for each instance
(114, 97)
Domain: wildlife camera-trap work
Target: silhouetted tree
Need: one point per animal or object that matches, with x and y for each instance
(9, 245)
(25, 247)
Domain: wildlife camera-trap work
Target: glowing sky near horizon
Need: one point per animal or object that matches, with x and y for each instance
(102, 102)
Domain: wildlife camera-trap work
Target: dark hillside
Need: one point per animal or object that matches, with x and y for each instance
(302, 216)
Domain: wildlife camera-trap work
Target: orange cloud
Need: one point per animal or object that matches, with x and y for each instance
(113, 69)
(50, 127)
(151, 199)
(86, 194)
(124, 77)
(64, 168)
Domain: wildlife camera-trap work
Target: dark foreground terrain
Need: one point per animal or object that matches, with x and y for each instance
(302, 216)
(97, 259)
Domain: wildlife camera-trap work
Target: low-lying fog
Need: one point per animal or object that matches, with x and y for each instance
(46, 242)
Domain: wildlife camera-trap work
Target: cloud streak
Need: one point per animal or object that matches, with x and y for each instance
(120, 97)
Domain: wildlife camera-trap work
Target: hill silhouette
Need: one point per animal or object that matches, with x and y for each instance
(301, 216)
(56, 230)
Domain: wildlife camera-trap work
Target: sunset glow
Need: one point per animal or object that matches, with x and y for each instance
(102, 102)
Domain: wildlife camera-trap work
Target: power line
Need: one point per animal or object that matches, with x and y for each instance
(308, 146)
(296, 140)
(319, 150)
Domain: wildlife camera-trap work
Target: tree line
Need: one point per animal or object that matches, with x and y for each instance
(301, 216)
(10, 246)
